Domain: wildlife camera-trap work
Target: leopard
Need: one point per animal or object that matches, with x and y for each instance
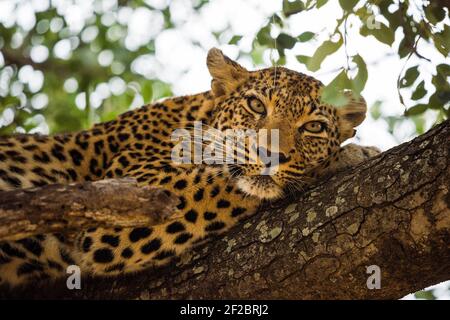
(212, 198)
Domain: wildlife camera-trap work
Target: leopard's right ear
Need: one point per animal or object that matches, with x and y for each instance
(351, 115)
(227, 74)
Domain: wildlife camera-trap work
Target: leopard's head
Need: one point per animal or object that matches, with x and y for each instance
(309, 131)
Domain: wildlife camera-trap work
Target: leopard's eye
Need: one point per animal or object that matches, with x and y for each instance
(256, 105)
(314, 126)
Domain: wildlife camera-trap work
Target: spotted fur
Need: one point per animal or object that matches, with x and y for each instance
(211, 198)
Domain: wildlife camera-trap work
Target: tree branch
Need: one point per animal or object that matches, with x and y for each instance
(392, 211)
(70, 208)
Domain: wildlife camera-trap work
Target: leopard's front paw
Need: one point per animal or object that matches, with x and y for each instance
(352, 154)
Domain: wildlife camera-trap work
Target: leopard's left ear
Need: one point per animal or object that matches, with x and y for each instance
(227, 74)
(351, 115)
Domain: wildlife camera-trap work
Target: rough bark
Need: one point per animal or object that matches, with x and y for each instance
(392, 211)
(70, 208)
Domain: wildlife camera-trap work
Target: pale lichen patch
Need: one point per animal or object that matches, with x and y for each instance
(301, 257)
(330, 211)
(315, 237)
(305, 232)
(261, 226)
(186, 258)
(339, 201)
(427, 153)
(198, 270)
(266, 234)
(311, 215)
(294, 217)
(404, 177)
(353, 228)
(342, 188)
(291, 208)
(230, 244)
(275, 232)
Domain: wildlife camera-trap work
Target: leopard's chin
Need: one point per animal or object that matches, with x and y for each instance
(262, 187)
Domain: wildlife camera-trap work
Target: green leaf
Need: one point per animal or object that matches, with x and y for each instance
(404, 48)
(325, 49)
(434, 13)
(161, 90)
(129, 97)
(333, 92)
(306, 36)
(290, 8)
(257, 54)
(359, 82)
(420, 91)
(443, 69)
(281, 61)
(438, 100)
(442, 41)
(410, 77)
(441, 96)
(235, 39)
(392, 122)
(375, 110)
(147, 91)
(419, 122)
(303, 59)
(263, 36)
(348, 5)
(285, 41)
(380, 31)
(321, 3)
(428, 295)
(276, 20)
(417, 109)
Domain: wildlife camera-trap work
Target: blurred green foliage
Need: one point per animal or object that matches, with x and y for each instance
(97, 56)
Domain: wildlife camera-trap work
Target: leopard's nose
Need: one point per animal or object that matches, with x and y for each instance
(283, 158)
(268, 157)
